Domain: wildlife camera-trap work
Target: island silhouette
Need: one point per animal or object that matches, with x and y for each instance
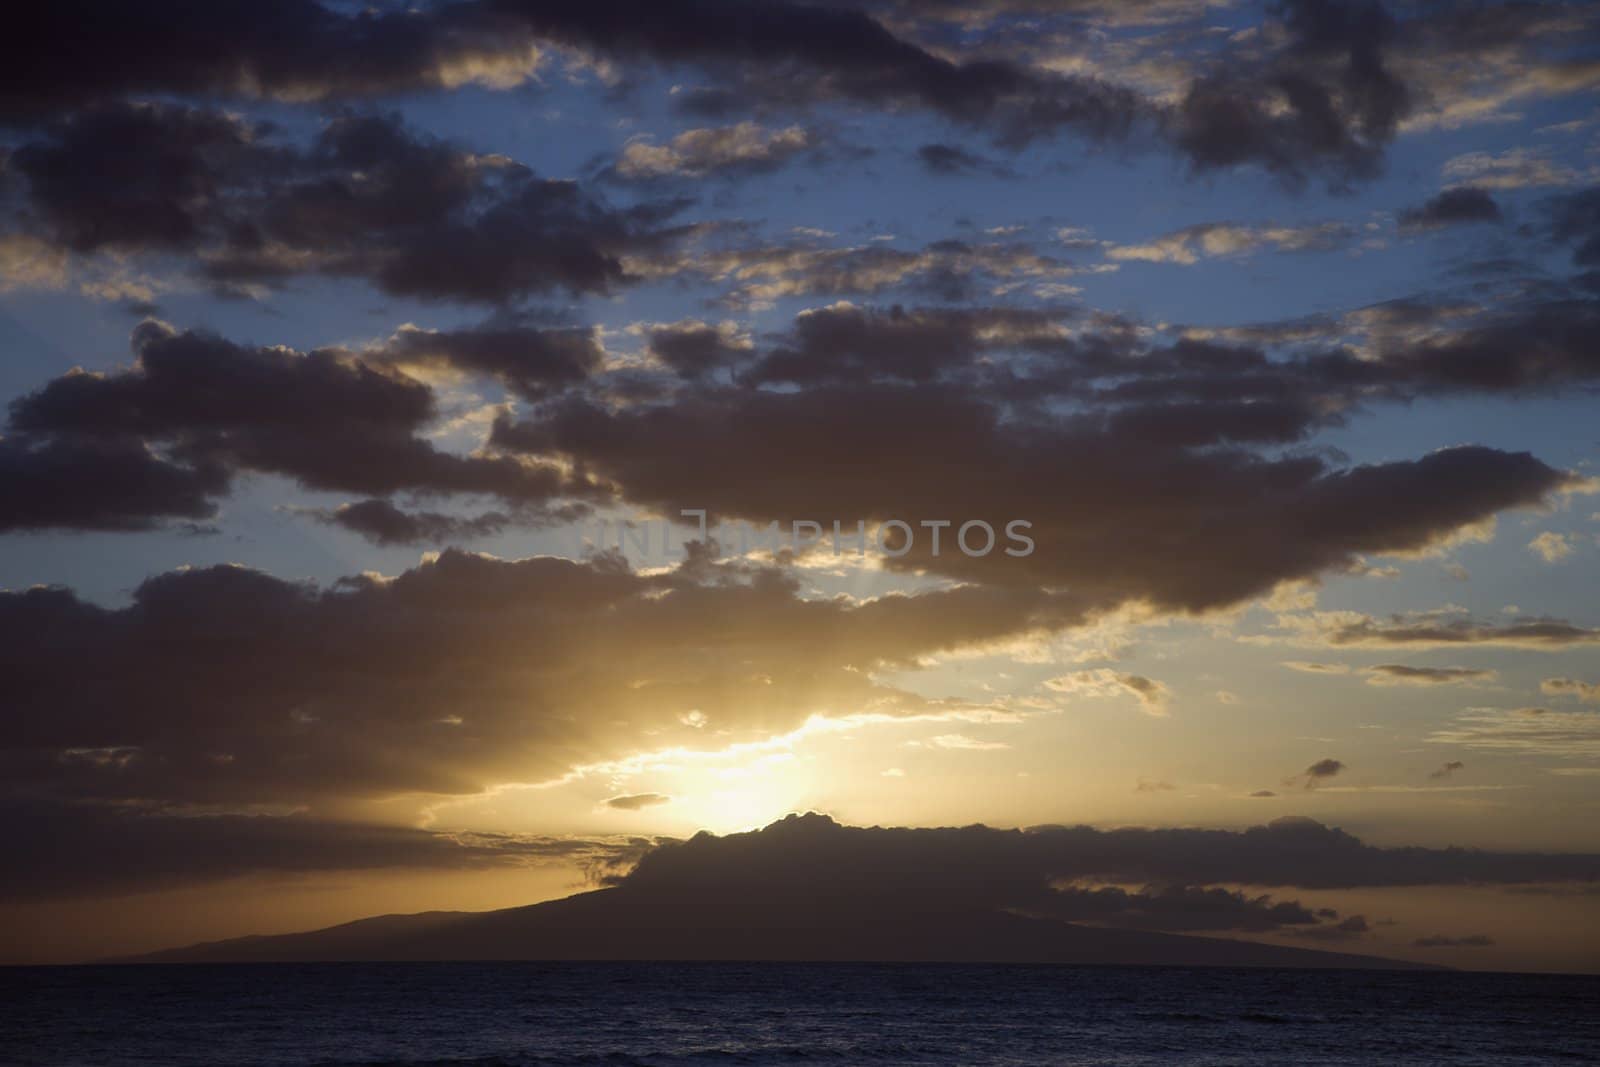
(802, 889)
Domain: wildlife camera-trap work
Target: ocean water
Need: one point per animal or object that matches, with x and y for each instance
(620, 1014)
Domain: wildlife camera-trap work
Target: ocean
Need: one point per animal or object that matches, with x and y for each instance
(486, 1015)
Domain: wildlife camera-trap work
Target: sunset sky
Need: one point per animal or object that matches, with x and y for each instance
(331, 333)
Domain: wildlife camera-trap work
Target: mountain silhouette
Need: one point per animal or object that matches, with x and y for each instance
(803, 889)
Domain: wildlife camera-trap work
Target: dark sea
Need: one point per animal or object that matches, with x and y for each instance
(619, 1014)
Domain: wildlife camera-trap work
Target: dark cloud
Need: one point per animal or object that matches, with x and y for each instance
(949, 160)
(1172, 879)
(137, 176)
(101, 484)
(785, 50)
(638, 801)
(1520, 348)
(1318, 90)
(695, 349)
(1342, 99)
(1453, 207)
(1425, 631)
(1341, 102)
(1328, 101)
(1588, 692)
(100, 851)
(1118, 515)
(1177, 909)
(223, 685)
(414, 216)
(65, 55)
(815, 855)
(533, 361)
(709, 102)
(1400, 674)
(163, 438)
(1574, 220)
(383, 523)
(1194, 391)
(845, 344)
(1101, 418)
(424, 219)
(1321, 771)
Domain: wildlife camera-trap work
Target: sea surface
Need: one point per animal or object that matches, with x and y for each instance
(619, 1014)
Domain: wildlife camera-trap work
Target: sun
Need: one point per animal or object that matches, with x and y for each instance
(746, 806)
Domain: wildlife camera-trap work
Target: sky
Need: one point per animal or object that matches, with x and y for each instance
(401, 398)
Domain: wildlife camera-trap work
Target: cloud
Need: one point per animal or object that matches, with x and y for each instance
(638, 801)
(109, 485)
(1574, 219)
(694, 349)
(1306, 667)
(1177, 909)
(1440, 941)
(1321, 771)
(1423, 630)
(947, 160)
(744, 148)
(171, 160)
(463, 673)
(1515, 168)
(368, 198)
(845, 343)
(1483, 64)
(1216, 239)
(91, 850)
(772, 51)
(531, 360)
(913, 391)
(295, 51)
(962, 742)
(1573, 735)
(1328, 98)
(29, 262)
(1153, 696)
(1323, 99)
(1453, 207)
(1189, 423)
(1448, 769)
(1588, 692)
(1457, 65)
(1509, 349)
(761, 274)
(1172, 879)
(1352, 928)
(983, 16)
(382, 523)
(1392, 674)
(165, 438)
(980, 864)
(1551, 547)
